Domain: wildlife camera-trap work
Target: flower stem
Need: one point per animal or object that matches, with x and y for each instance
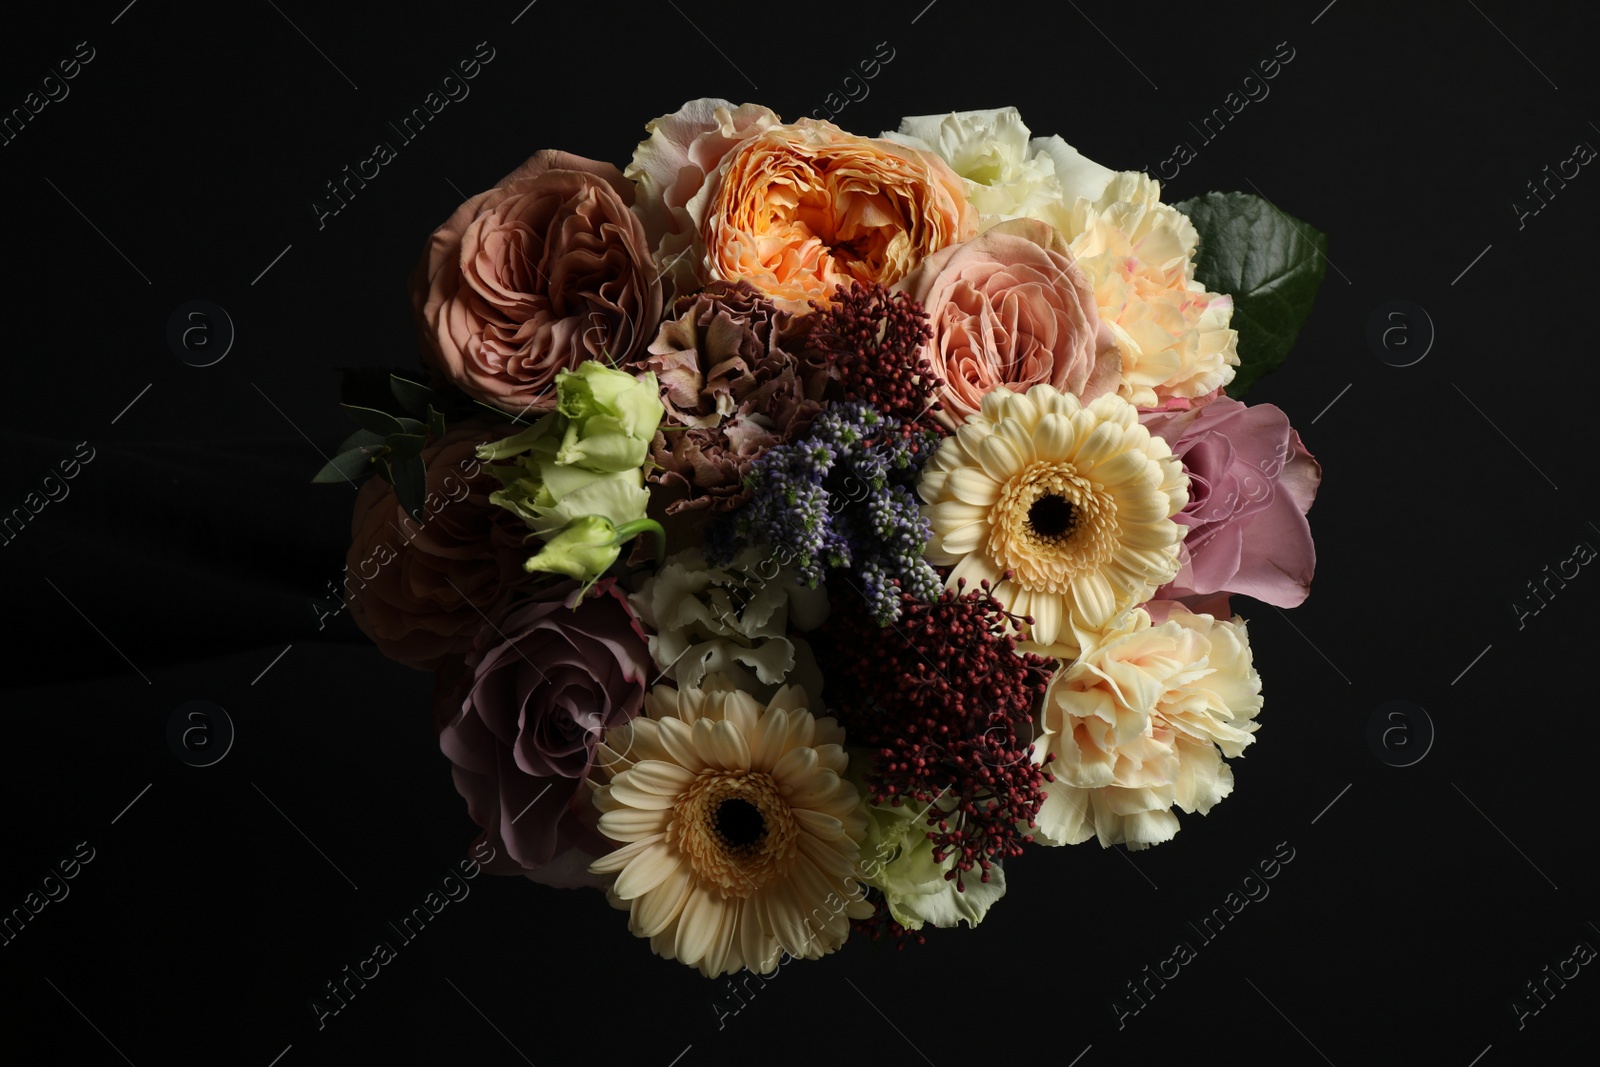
(629, 530)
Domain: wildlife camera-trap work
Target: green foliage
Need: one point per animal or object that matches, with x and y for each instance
(1271, 263)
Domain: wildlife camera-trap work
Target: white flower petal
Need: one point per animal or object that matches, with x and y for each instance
(631, 824)
(658, 909)
(972, 486)
(646, 871)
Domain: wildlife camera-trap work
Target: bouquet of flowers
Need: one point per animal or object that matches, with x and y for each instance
(802, 524)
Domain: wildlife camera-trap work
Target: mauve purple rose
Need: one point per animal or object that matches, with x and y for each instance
(546, 685)
(1251, 483)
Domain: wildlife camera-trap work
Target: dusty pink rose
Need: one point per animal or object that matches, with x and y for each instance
(1251, 482)
(420, 588)
(1010, 308)
(549, 268)
(545, 686)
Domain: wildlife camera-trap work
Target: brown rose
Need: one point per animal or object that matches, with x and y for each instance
(547, 269)
(420, 588)
(1010, 308)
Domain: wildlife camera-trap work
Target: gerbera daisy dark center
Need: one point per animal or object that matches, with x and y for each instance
(1052, 517)
(739, 823)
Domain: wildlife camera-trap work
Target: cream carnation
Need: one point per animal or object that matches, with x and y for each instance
(1138, 254)
(1140, 724)
(1075, 502)
(739, 836)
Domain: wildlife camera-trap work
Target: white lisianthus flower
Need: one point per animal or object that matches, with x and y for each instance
(1008, 174)
(734, 621)
(1139, 724)
(897, 858)
(1138, 254)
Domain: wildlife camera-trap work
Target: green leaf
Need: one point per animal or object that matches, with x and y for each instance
(362, 438)
(347, 466)
(379, 422)
(412, 396)
(1271, 263)
(411, 425)
(435, 422)
(410, 478)
(405, 445)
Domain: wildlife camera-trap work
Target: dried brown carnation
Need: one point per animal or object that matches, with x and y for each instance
(735, 382)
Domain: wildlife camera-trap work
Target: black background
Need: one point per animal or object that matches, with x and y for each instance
(191, 549)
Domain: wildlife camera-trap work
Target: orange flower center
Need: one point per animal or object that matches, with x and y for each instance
(1049, 524)
(736, 831)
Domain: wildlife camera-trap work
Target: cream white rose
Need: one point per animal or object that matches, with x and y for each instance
(1008, 174)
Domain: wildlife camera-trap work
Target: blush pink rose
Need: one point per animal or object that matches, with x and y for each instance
(548, 269)
(1251, 482)
(1010, 308)
(420, 588)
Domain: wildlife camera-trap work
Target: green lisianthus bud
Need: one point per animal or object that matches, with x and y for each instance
(595, 391)
(584, 458)
(543, 437)
(584, 549)
(601, 443)
(588, 545)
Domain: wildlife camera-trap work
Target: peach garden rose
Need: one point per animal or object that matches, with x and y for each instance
(1010, 308)
(671, 165)
(795, 209)
(803, 208)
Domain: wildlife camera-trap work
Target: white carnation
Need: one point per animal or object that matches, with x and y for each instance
(733, 621)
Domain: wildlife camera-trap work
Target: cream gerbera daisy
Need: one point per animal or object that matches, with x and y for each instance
(1075, 501)
(1140, 724)
(740, 839)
